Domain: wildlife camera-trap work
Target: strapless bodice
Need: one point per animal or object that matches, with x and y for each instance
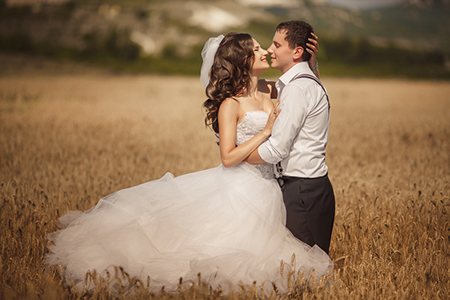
(252, 124)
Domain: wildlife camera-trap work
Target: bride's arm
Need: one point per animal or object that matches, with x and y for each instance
(268, 87)
(231, 154)
(313, 48)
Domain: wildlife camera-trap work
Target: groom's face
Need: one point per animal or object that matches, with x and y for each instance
(282, 56)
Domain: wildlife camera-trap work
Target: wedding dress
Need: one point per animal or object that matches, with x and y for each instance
(228, 224)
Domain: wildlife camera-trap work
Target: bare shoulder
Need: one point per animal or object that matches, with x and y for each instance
(229, 107)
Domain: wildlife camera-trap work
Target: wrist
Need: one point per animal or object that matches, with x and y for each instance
(316, 67)
(267, 132)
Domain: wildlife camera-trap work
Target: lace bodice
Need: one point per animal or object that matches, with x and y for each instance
(254, 122)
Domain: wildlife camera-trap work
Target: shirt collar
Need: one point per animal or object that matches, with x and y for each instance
(299, 68)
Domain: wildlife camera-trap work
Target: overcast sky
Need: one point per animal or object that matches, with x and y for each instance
(364, 4)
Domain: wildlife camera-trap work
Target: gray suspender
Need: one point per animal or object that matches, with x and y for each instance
(316, 80)
(278, 165)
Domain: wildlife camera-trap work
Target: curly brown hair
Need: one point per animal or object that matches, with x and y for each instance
(230, 74)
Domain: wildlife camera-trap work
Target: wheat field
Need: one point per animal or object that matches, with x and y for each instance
(69, 139)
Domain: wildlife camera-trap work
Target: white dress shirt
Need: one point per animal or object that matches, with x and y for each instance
(300, 133)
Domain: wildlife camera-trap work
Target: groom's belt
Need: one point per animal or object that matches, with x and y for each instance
(283, 180)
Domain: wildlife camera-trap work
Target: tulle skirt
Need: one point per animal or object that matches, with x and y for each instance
(228, 224)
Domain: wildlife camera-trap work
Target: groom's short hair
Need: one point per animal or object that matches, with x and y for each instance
(297, 35)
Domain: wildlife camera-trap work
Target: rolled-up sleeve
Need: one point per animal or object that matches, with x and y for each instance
(294, 107)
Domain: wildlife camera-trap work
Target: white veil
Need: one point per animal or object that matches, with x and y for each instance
(208, 53)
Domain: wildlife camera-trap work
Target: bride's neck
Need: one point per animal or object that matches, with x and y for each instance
(253, 88)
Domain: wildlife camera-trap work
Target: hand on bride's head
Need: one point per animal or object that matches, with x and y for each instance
(313, 49)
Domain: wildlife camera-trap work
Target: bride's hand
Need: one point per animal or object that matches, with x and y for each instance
(313, 49)
(272, 117)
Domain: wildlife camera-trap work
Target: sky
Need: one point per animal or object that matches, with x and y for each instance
(364, 4)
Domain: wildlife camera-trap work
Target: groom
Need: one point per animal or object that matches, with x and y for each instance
(299, 138)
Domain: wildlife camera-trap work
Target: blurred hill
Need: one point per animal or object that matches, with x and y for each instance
(166, 36)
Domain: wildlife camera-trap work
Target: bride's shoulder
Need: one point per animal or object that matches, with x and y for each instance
(231, 102)
(229, 106)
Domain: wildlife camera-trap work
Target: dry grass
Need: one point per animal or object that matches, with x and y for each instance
(66, 141)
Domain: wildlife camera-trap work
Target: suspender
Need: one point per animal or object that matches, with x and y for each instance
(278, 165)
(316, 80)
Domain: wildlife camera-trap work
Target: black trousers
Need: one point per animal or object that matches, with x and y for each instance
(310, 207)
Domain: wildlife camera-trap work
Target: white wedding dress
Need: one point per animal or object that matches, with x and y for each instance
(226, 223)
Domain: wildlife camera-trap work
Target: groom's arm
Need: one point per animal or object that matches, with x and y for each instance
(285, 130)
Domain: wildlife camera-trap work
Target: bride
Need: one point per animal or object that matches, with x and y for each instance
(226, 223)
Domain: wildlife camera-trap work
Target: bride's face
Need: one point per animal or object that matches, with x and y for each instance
(260, 63)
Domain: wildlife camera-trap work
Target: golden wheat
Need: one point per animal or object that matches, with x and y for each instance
(68, 140)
